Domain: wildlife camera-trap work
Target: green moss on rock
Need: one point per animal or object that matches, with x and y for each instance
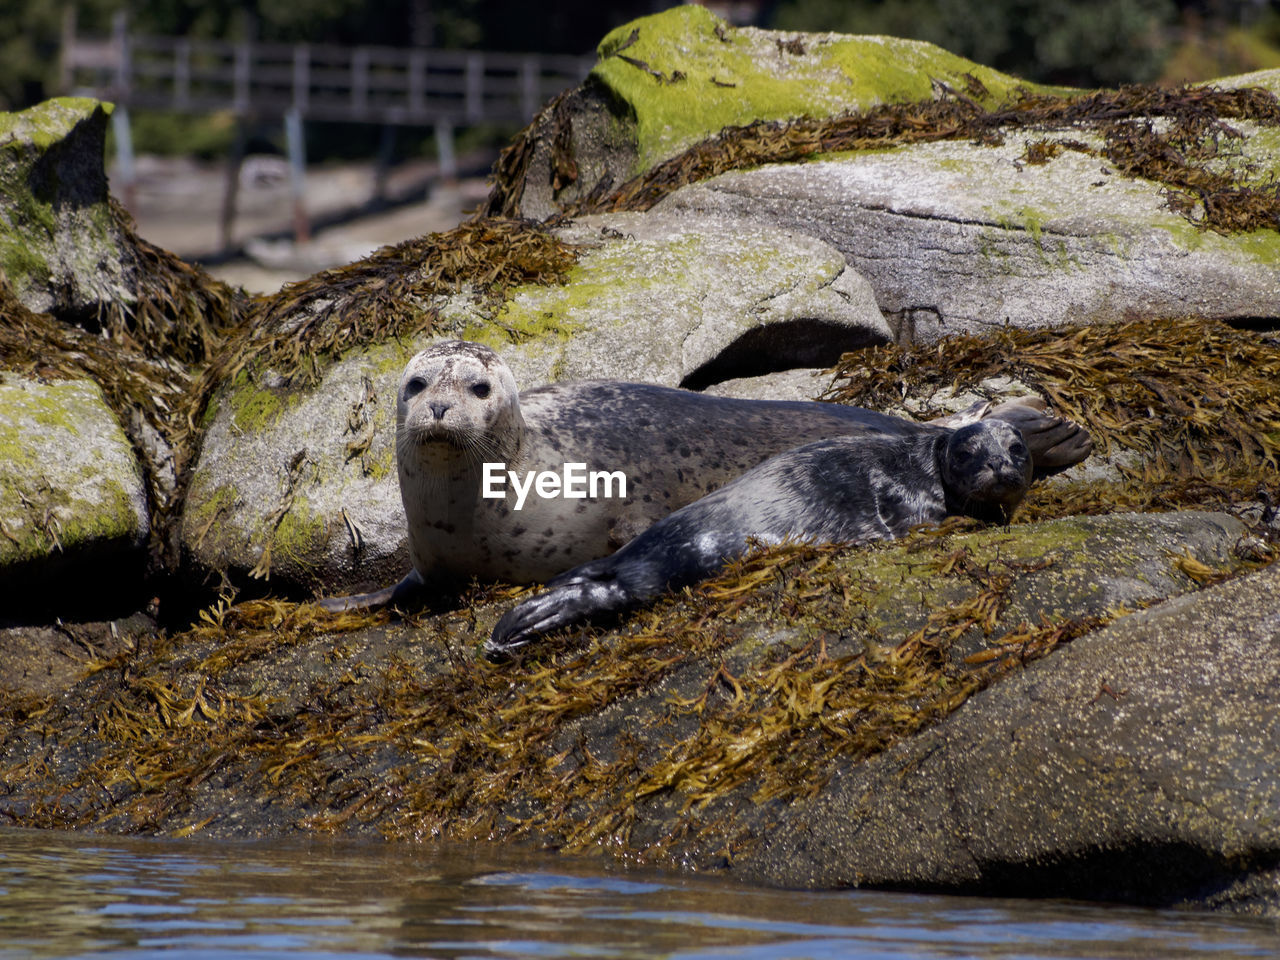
(254, 408)
(687, 74)
(206, 509)
(49, 122)
(552, 313)
(301, 533)
(67, 474)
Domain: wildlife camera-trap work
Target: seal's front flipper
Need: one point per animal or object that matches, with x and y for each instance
(407, 593)
(582, 594)
(540, 614)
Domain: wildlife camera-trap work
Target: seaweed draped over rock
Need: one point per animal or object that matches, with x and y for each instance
(180, 314)
(1190, 407)
(82, 296)
(386, 296)
(766, 680)
(160, 360)
(144, 356)
(69, 249)
(1176, 137)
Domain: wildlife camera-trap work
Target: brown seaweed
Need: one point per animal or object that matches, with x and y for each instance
(1183, 153)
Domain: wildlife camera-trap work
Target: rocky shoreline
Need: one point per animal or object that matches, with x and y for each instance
(1080, 704)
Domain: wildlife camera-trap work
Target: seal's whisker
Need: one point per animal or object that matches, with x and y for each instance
(487, 447)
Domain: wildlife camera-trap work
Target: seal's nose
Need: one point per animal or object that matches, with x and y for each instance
(1007, 479)
(1011, 476)
(438, 409)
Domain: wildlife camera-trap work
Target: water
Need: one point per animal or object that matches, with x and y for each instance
(67, 895)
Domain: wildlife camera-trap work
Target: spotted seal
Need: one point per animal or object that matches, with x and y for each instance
(458, 407)
(842, 490)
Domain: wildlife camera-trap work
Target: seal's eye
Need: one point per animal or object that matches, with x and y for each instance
(1018, 450)
(414, 387)
(480, 389)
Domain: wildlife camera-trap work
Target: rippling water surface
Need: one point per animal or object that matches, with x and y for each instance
(64, 895)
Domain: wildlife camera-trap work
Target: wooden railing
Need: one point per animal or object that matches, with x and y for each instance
(272, 82)
(385, 85)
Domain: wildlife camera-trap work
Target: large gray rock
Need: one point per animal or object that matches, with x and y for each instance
(956, 237)
(689, 300)
(661, 299)
(73, 508)
(1137, 764)
(668, 81)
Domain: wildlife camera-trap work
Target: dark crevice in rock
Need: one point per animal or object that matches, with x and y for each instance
(56, 587)
(780, 346)
(1257, 324)
(1150, 874)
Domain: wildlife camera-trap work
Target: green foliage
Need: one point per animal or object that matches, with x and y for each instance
(285, 21)
(1091, 43)
(1103, 41)
(1216, 52)
(30, 35)
(30, 32)
(1268, 27)
(207, 136)
(566, 27)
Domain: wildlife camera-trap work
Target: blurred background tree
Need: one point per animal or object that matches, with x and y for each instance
(1087, 44)
(1090, 43)
(31, 28)
(31, 32)
(1083, 43)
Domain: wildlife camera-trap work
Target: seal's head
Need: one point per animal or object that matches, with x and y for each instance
(458, 396)
(986, 468)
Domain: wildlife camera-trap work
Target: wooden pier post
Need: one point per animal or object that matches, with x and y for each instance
(382, 166)
(296, 146)
(445, 154)
(125, 166)
(231, 190)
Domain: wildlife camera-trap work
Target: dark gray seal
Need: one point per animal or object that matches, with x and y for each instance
(844, 490)
(458, 407)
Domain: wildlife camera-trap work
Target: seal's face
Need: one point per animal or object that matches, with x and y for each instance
(987, 464)
(457, 395)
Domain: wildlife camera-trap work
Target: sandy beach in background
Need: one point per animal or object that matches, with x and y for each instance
(177, 203)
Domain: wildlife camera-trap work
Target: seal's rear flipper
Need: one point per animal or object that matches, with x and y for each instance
(970, 414)
(1055, 442)
(407, 593)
